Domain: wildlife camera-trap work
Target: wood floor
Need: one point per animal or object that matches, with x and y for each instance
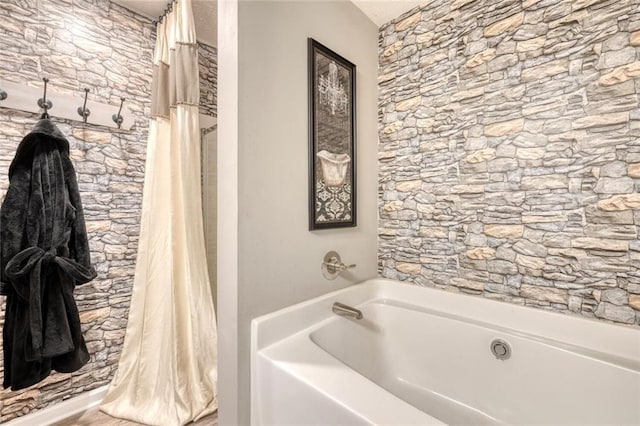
(94, 417)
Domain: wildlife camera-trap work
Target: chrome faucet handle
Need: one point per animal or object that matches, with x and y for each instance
(344, 267)
(332, 265)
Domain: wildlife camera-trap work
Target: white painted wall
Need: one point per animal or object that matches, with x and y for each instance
(210, 206)
(278, 258)
(228, 211)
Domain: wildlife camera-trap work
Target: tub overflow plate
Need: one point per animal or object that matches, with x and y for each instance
(500, 349)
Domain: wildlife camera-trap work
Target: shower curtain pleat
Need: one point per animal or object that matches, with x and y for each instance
(167, 371)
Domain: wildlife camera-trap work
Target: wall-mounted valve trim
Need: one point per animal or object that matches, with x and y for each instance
(332, 265)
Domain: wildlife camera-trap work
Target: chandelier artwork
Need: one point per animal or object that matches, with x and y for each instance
(332, 150)
(331, 90)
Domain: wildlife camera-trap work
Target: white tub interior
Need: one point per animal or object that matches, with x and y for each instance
(443, 365)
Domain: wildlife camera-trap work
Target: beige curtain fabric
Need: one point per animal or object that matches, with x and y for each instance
(167, 371)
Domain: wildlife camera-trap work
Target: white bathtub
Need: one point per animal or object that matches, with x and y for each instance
(422, 356)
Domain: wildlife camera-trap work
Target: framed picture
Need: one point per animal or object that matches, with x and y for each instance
(332, 133)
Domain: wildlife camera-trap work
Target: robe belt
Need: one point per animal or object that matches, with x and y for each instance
(31, 263)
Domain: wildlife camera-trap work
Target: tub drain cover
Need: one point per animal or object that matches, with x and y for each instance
(500, 349)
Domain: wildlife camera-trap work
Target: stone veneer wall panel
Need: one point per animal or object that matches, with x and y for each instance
(109, 49)
(509, 154)
(208, 56)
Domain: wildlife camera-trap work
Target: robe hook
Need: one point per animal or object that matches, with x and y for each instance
(84, 111)
(3, 95)
(117, 118)
(43, 102)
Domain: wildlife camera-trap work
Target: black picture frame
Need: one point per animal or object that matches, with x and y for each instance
(332, 139)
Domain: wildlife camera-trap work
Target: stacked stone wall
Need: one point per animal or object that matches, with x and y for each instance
(208, 57)
(102, 46)
(509, 152)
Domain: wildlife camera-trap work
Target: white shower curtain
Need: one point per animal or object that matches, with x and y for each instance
(167, 371)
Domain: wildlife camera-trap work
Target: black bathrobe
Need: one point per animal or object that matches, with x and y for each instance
(44, 254)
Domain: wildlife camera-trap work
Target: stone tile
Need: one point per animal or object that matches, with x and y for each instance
(548, 69)
(481, 155)
(620, 74)
(409, 104)
(408, 22)
(600, 243)
(504, 128)
(616, 296)
(480, 253)
(503, 25)
(620, 202)
(481, 58)
(544, 182)
(616, 58)
(531, 44)
(623, 314)
(504, 231)
(554, 295)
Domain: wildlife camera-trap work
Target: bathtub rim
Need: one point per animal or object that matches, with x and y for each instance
(589, 333)
(503, 331)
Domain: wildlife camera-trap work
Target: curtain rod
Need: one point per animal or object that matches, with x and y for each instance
(168, 10)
